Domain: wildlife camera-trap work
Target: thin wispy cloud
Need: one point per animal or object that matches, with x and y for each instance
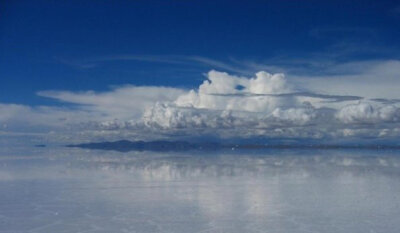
(178, 60)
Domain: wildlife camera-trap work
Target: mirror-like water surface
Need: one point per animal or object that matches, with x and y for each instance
(75, 190)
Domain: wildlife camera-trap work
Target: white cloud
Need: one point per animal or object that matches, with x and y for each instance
(222, 91)
(224, 105)
(368, 113)
(370, 79)
(122, 103)
(267, 105)
(42, 118)
(226, 101)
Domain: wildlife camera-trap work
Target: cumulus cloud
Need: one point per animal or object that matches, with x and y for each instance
(218, 93)
(269, 105)
(368, 113)
(219, 104)
(224, 105)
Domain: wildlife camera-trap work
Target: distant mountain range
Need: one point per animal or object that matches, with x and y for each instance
(125, 146)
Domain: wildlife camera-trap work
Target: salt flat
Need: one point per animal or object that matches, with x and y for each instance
(56, 189)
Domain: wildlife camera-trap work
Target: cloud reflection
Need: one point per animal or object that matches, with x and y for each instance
(272, 191)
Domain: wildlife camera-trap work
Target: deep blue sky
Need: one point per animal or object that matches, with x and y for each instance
(90, 45)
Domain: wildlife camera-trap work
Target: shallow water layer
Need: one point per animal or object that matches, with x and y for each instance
(76, 190)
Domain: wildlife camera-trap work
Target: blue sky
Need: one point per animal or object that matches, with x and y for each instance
(308, 69)
(69, 45)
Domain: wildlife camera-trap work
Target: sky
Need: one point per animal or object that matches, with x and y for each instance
(84, 70)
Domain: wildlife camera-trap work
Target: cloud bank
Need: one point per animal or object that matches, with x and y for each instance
(223, 106)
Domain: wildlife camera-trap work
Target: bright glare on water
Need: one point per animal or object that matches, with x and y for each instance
(75, 190)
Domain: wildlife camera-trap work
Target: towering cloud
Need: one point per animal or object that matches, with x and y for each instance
(225, 101)
(226, 92)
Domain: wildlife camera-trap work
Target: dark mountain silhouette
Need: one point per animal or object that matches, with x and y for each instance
(125, 146)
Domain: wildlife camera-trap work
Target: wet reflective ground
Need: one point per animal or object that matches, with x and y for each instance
(76, 190)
